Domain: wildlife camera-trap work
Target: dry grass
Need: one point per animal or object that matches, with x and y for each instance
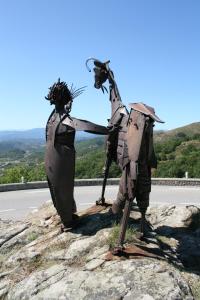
(26, 268)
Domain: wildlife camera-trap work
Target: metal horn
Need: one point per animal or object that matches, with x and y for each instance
(89, 59)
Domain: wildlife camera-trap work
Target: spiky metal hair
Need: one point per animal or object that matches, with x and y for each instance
(59, 93)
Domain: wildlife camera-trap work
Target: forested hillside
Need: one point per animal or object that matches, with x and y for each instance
(177, 151)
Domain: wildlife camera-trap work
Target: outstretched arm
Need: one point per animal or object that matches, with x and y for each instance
(84, 125)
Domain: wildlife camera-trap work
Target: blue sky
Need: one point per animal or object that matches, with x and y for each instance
(153, 45)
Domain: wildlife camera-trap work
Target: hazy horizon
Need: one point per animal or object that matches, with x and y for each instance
(43, 128)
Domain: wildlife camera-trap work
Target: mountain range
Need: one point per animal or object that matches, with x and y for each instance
(189, 130)
(177, 150)
(39, 134)
(35, 134)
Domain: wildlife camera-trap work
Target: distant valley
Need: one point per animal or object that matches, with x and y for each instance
(35, 134)
(22, 154)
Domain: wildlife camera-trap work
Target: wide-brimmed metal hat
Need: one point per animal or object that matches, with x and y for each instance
(146, 110)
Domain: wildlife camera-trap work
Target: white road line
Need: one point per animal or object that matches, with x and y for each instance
(9, 209)
(183, 189)
(151, 201)
(175, 188)
(189, 203)
(32, 207)
(171, 203)
(86, 203)
(37, 191)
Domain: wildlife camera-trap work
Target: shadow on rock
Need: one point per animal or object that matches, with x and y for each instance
(181, 243)
(93, 220)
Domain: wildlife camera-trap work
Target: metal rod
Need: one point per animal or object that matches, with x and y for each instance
(124, 222)
(101, 201)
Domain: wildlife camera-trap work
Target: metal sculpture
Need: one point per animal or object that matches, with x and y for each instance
(130, 145)
(60, 151)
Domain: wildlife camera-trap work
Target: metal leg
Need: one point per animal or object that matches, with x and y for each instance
(142, 223)
(101, 200)
(124, 223)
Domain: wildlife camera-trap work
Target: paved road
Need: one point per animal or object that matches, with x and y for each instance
(15, 205)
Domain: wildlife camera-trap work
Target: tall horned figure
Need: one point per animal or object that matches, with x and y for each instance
(130, 145)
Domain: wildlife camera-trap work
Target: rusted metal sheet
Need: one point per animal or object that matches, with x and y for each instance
(132, 252)
(146, 110)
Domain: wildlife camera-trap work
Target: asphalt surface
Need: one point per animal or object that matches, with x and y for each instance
(17, 204)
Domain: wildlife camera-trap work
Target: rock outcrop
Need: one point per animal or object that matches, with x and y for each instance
(39, 261)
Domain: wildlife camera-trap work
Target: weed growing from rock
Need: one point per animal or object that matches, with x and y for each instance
(129, 238)
(32, 236)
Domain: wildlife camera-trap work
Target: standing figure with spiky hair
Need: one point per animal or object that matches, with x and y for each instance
(60, 151)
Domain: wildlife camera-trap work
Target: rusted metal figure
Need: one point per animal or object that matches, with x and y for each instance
(60, 151)
(130, 145)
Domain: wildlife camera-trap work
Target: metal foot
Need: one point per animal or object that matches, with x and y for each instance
(118, 250)
(145, 227)
(101, 201)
